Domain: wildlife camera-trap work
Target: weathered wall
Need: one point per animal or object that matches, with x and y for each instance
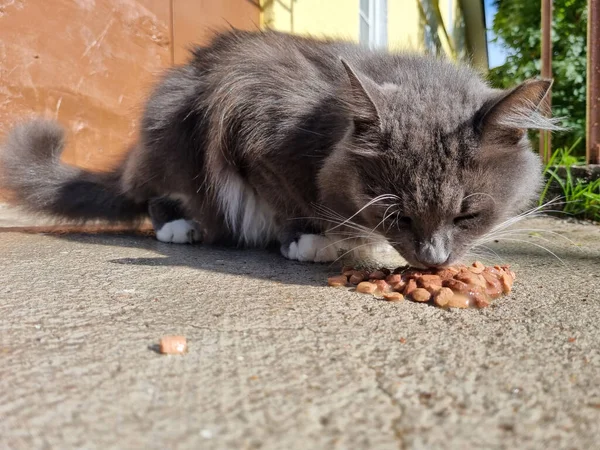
(86, 63)
(196, 20)
(90, 63)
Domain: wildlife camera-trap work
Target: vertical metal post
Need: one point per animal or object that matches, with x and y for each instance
(593, 84)
(546, 106)
(171, 32)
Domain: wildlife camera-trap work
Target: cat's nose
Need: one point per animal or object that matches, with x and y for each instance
(433, 254)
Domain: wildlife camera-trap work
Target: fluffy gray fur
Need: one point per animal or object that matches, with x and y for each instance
(265, 137)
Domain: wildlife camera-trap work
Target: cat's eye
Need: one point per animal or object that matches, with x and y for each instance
(404, 221)
(465, 218)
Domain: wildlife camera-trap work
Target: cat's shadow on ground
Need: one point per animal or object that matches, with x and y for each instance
(267, 264)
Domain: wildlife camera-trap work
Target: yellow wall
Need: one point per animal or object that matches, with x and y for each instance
(404, 29)
(340, 19)
(319, 18)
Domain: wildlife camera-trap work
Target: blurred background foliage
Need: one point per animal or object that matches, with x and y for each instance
(516, 26)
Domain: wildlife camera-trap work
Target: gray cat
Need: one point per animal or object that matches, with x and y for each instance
(315, 145)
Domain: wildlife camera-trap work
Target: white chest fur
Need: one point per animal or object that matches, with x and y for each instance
(249, 216)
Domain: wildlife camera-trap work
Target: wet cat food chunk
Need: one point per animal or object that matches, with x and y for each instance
(420, 295)
(377, 275)
(393, 296)
(450, 287)
(366, 287)
(443, 296)
(337, 281)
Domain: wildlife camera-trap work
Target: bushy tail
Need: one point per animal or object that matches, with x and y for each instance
(33, 176)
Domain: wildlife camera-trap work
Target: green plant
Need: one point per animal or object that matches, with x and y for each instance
(517, 27)
(580, 198)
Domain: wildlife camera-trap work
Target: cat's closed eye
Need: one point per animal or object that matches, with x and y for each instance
(465, 219)
(404, 221)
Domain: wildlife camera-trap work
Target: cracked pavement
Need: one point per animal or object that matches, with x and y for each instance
(278, 360)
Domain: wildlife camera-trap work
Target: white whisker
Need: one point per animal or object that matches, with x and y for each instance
(480, 193)
(536, 245)
(350, 251)
(371, 202)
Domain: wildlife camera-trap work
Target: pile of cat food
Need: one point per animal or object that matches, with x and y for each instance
(450, 287)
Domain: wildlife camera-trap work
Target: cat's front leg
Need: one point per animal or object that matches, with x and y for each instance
(328, 248)
(310, 248)
(316, 248)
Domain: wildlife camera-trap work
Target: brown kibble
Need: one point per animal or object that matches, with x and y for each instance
(420, 295)
(477, 267)
(432, 278)
(429, 280)
(493, 292)
(393, 296)
(377, 275)
(394, 278)
(478, 298)
(443, 296)
(337, 281)
(173, 345)
(458, 301)
(507, 282)
(411, 275)
(430, 286)
(493, 286)
(382, 286)
(493, 271)
(457, 286)
(357, 277)
(399, 286)
(490, 277)
(481, 278)
(366, 287)
(411, 285)
(396, 282)
(445, 274)
(470, 278)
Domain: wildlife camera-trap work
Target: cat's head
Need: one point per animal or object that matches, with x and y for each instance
(440, 161)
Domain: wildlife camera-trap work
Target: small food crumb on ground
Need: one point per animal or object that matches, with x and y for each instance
(173, 345)
(450, 287)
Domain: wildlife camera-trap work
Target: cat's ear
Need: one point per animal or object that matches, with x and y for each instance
(361, 95)
(508, 115)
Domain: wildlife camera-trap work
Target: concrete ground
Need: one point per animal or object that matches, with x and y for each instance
(277, 360)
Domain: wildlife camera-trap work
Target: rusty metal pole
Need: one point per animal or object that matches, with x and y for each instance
(171, 32)
(546, 106)
(592, 153)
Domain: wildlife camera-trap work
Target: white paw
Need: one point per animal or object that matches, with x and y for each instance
(311, 247)
(179, 231)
